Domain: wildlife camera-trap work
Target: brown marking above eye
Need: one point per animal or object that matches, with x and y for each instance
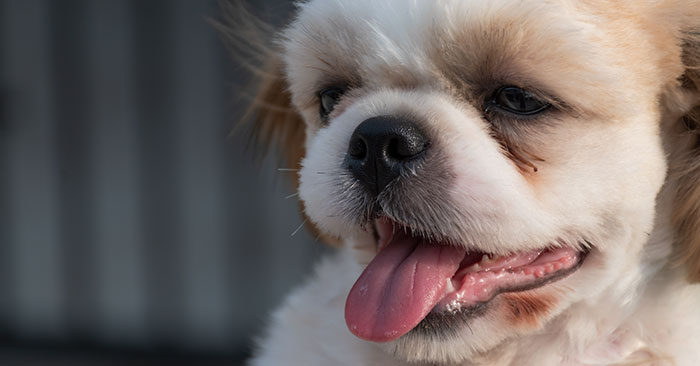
(482, 58)
(526, 308)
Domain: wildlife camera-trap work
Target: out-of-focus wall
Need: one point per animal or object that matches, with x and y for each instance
(127, 214)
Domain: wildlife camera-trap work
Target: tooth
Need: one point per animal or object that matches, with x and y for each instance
(485, 258)
(539, 272)
(450, 287)
(549, 267)
(475, 267)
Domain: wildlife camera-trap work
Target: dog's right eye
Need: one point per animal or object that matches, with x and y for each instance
(328, 97)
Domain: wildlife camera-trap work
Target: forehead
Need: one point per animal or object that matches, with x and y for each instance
(471, 43)
(404, 33)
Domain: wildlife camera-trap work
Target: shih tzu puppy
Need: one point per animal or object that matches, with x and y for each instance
(509, 182)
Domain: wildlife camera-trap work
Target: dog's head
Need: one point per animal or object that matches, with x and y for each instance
(495, 164)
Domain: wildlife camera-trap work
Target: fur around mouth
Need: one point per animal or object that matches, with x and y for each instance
(413, 279)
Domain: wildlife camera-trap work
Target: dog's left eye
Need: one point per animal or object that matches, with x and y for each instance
(328, 99)
(517, 101)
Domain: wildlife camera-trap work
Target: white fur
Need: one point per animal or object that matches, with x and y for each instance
(603, 179)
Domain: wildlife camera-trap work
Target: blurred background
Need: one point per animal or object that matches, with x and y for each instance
(133, 229)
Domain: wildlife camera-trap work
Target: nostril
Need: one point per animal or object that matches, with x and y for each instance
(405, 147)
(358, 148)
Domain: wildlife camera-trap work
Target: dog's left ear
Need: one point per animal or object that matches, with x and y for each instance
(686, 163)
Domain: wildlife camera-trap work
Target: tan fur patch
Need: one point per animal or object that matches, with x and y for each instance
(503, 47)
(527, 309)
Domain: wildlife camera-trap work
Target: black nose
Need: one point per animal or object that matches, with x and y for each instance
(380, 147)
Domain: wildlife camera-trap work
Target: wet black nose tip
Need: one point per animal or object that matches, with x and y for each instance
(380, 146)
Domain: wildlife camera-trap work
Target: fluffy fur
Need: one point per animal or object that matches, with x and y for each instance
(613, 166)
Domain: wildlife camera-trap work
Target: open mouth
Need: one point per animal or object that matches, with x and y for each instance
(411, 277)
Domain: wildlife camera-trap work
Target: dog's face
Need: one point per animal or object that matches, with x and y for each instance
(494, 163)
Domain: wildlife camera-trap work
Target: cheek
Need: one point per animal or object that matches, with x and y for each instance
(597, 166)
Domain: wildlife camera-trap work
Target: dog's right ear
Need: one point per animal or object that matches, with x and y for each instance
(274, 123)
(278, 126)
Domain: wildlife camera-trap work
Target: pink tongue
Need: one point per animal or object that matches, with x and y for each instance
(399, 288)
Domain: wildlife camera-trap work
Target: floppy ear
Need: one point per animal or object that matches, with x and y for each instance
(276, 125)
(250, 41)
(687, 207)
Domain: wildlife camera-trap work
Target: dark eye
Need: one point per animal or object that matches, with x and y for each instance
(328, 99)
(517, 101)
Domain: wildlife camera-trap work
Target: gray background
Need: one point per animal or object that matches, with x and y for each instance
(130, 223)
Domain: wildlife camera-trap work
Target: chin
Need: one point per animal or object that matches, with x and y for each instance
(506, 182)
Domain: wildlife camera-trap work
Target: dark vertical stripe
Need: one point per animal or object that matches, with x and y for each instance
(200, 155)
(118, 242)
(159, 182)
(33, 248)
(6, 277)
(72, 106)
(242, 233)
(238, 178)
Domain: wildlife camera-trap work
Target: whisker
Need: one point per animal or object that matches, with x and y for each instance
(292, 195)
(287, 170)
(300, 226)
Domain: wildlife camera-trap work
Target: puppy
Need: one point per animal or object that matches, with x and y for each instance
(509, 182)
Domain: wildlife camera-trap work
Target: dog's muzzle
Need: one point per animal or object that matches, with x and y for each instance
(381, 147)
